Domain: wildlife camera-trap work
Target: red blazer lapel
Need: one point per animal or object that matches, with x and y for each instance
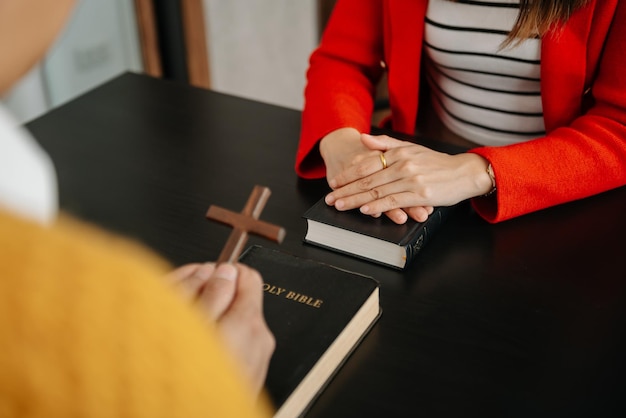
(403, 51)
(569, 59)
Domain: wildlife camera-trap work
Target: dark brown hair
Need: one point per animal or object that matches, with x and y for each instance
(536, 17)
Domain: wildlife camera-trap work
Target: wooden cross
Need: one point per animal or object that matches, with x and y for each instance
(245, 222)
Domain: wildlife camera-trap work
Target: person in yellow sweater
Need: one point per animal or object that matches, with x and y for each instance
(91, 324)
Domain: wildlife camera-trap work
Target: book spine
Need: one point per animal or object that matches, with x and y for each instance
(435, 220)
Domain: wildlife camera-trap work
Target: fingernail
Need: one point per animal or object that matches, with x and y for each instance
(339, 204)
(332, 183)
(329, 199)
(364, 209)
(204, 271)
(226, 271)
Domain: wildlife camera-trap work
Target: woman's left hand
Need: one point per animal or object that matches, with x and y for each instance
(415, 176)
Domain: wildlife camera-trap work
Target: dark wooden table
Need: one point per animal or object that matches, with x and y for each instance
(524, 318)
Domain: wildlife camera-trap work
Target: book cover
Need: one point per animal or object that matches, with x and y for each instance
(318, 314)
(375, 239)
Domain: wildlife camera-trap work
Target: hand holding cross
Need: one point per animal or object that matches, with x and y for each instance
(245, 222)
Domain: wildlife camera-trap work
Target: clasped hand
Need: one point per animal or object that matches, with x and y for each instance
(415, 180)
(231, 296)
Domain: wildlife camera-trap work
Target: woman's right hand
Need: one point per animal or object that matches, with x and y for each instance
(342, 149)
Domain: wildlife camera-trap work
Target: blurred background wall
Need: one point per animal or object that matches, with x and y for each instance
(256, 49)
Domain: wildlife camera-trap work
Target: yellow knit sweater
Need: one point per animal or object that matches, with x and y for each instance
(88, 329)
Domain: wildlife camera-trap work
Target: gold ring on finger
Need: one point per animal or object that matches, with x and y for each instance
(383, 160)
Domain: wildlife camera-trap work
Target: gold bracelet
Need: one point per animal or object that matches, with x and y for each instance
(492, 176)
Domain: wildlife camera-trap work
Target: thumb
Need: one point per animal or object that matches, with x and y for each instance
(219, 291)
(381, 142)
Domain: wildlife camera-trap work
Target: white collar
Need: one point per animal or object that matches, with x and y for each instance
(28, 184)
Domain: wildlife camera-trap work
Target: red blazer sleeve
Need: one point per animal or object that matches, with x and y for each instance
(341, 79)
(584, 156)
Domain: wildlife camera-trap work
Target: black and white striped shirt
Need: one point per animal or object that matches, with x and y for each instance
(481, 92)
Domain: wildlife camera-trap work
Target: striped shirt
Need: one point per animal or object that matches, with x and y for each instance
(481, 92)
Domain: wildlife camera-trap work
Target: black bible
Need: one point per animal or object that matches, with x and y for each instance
(374, 239)
(318, 315)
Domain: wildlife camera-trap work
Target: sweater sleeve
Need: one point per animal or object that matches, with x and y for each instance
(341, 79)
(587, 156)
(88, 328)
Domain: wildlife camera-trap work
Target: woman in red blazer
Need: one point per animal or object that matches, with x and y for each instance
(583, 96)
